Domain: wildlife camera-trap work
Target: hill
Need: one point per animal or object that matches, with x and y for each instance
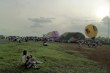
(57, 58)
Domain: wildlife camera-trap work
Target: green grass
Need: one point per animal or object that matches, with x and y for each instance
(57, 58)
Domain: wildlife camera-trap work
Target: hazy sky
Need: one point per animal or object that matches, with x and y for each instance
(36, 17)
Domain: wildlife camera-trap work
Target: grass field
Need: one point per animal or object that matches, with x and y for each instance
(57, 58)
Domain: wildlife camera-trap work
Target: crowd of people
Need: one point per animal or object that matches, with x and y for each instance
(89, 43)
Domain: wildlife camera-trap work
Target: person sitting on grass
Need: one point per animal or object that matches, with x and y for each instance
(31, 62)
(45, 43)
(24, 57)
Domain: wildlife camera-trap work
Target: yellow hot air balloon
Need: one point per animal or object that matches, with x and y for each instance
(91, 30)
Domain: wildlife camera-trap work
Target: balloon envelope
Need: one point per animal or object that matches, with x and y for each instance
(91, 31)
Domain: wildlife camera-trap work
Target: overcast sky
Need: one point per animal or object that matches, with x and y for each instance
(36, 17)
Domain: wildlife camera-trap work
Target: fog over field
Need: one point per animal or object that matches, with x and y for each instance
(35, 17)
